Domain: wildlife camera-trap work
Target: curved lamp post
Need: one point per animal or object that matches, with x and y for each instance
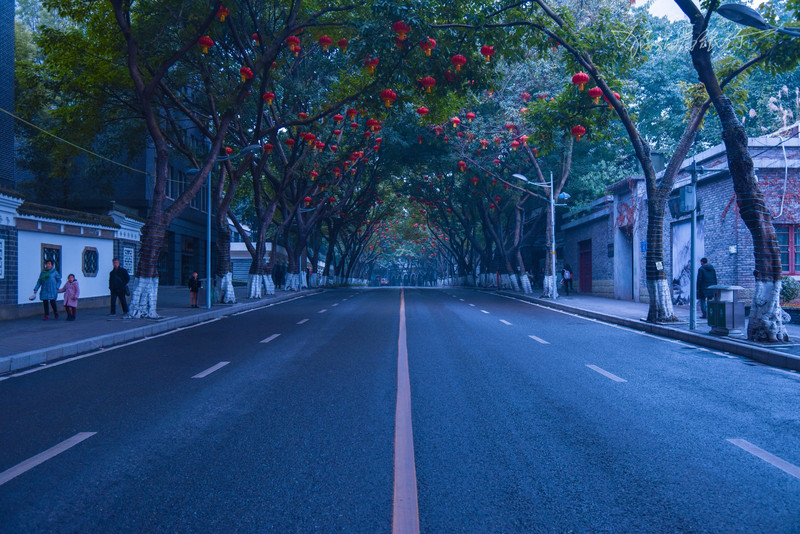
(561, 196)
(747, 16)
(244, 151)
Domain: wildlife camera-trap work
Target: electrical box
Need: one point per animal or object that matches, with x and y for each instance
(688, 198)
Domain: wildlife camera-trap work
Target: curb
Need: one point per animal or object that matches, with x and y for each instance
(24, 360)
(763, 355)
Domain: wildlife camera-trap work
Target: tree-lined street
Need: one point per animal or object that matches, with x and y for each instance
(524, 419)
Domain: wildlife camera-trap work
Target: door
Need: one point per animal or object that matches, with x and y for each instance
(585, 266)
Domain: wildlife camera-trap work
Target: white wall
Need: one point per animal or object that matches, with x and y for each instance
(30, 249)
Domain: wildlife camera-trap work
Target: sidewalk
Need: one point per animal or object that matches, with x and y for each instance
(30, 341)
(632, 315)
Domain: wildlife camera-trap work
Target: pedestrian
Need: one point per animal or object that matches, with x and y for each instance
(49, 280)
(71, 292)
(566, 278)
(118, 285)
(195, 285)
(706, 276)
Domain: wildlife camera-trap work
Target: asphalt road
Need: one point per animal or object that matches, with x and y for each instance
(524, 420)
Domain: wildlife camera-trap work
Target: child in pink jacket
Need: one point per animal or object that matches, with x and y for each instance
(71, 292)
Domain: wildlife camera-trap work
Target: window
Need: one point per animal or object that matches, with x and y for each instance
(789, 242)
(91, 262)
(175, 181)
(2, 258)
(127, 259)
(52, 253)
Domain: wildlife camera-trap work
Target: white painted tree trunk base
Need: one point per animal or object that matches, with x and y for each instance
(144, 299)
(225, 292)
(526, 284)
(269, 284)
(324, 281)
(767, 318)
(303, 280)
(550, 287)
(293, 282)
(254, 284)
(661, 310)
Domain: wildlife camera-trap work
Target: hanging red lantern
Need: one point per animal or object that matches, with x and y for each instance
(524, 139)
(228, 150)
(498, 140)
(314, 175)
(578, 131)
(514, 145)
(494, 182)
(401, 29)
(496, 162)
(580, 79)
(294, 44)
(372, 124)
(456, 121)
(459, 61)
(470, 116)
(255, 38)
(268, 98)
(336, 172)
(325, 42)
(334, 148)
(222, 13)
(290, 142)
(422, 111)
(268, 148)
(370, 64)
(616, 95)
(302, 116)
(351, 113)
(484, 143)
(388, 96)
(438, 129)
(525, 96)
(342, 44)
(595, 93)
(245, 73)
(474, 180)
(205, 43)
(307, 200)
(428, 82)
(462, 166)
(487, 52)
(338, 118)
(491, 206)
(427, 45)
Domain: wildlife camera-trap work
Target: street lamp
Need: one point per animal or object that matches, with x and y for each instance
(246, 150)
(747, 16)
(552, 224)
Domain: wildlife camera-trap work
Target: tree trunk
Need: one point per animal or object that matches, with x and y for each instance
(144, 297)
(224, 282)
(658, 287)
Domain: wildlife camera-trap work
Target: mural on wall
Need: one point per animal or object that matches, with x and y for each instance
(681, 254)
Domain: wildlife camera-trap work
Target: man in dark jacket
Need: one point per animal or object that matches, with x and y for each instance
(117, 283)
(706, 276)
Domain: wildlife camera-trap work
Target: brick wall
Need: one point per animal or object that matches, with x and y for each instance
(8, 284)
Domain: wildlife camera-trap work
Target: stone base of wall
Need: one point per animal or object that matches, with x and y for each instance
(644, 295)
(603, 288)
(19, 311)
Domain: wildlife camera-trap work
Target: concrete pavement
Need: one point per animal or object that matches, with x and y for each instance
(632, 314)
(31, 341)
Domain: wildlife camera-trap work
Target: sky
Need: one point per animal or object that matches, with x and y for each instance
(673, 12)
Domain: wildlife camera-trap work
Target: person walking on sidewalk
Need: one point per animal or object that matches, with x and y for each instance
(118, 285)
(706, 276)
(195, 285)
(49, 280)
(566, 278)
(71, 292)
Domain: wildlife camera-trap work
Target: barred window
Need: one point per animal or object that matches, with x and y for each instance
(91, 262)
(789, 242)
(52, 253)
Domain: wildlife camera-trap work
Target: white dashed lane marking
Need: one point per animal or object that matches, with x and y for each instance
(210, 370)
(322, 311)
(270, 338)
(484, 311)
(302, 321)
(42, 457)
(505, 322)
(540, 340)
(605, 373)
(780, 463)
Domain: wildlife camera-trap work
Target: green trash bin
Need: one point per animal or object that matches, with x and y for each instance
(725, 312)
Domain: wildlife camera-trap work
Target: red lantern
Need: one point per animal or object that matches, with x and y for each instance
(616, 95)
(462, 166)
(372, 124)
(314, 175)
(487, 52)
(352, 113)
(484, 143)
(338, 118)
(228, 150)
(428, 82)
(268, 98)
(498, 140)
(427, 45)
(578, 131)
(437, 129)
(456, 121)
(580, 79)
(255, 39)
(401, 29)
(294, 44)
(337, 171)
(422, 111)
(245, 73)
(388, 96)
(268, 148)
(470, 116)
(474, 180)
(496, 161)
(525, 97)
(290, 142)
(514, 145)
(524, 139)
(205, 43)
(494, 182)
(302, 116)
(354, 126)
(342, 44)
(307, 200)
(222, 12)
(325, 42)
(459, 61)
(371, 63)
(595, 93)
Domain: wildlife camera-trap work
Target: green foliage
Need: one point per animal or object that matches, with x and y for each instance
(790, 289)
